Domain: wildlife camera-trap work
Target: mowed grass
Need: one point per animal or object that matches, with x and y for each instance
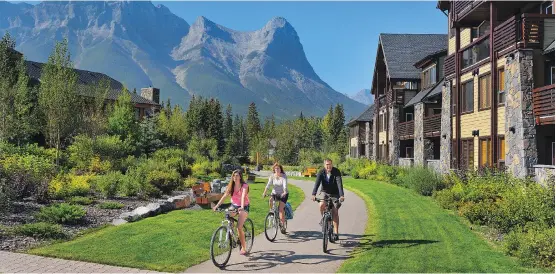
(169, 242)
(407, 232)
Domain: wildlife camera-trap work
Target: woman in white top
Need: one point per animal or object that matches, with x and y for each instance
(279, 184)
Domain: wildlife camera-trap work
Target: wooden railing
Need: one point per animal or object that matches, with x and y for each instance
(460, 6)
(543, 105)
(525, 31)
(431, 125)
(450, 65)
(406, 130)
(382, 100)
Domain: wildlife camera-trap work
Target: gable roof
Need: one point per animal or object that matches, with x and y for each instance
(402, 51)
(426, 93)
(365, 116)
(84, 77)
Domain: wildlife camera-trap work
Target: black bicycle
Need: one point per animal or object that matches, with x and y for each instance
(225, 238)
(272, 220)
(326, 221)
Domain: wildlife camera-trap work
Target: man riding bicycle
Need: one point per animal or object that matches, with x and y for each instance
(331, 179)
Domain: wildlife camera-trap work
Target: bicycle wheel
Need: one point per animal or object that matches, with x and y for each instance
(220, 247)
(249, 231)
(270, 227)
(331, 231)
(325, 229)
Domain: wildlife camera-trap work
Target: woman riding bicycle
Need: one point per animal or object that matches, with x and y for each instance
(239, 190)
(280, 189)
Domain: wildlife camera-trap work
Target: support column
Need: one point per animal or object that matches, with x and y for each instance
(494, 88)
(520, 122)
(446, 128)
(367, 140)
(419, 140)
(392, 137)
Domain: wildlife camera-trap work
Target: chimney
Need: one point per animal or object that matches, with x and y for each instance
(151, 93)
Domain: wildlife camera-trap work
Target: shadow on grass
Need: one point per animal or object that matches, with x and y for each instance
(367, 244)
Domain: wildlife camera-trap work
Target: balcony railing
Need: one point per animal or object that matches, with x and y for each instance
(406, 130)
(525, 31)
(543, 105)
(382, 100)
(450, 65)
(431, 125)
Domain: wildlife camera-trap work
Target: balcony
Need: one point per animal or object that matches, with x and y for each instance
(431, 125)
(543, 105)
(530, 30)
(468, 13)
(450, 65)
(382, 100)
(406, 130)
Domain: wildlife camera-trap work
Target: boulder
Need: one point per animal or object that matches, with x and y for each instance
(166, 206)
(118, 222)
(181, 201)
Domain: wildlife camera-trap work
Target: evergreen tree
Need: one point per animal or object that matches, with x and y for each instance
(339, 131)
(253, 122)
(149, 139)
(228, 123)
(327, 130)
(214, 124)
(58, 99)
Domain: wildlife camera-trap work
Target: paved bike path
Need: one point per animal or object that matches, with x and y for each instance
(301, 249)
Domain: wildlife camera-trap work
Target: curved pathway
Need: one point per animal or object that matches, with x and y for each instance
(301, 249)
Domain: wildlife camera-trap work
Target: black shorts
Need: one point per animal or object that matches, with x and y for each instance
(279, 197)
(337, 203)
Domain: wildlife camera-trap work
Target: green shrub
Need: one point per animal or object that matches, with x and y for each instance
(111, 205)
(534, 246)
(107, 148)
(423, 180)
(368, 171)
(110, 184)
(189, 182)
(175, 158)
(79, 200)
(387, 172)
(165, 179)
(61, 213)
(27, 174)
(67, 185)
(446, 198)
(478, 213)
(41, 230)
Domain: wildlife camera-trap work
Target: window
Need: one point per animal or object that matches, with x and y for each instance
(501, 87)
(408, 117)
(501, 149)
(546, 8)
(485, 150)
(429, 77)
(552, 75)
(475, 54)
(467, 154)
(436, 111)
(484, 92)
(409, 152)
(467, 97)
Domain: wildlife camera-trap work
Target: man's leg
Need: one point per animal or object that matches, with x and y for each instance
(335, 219)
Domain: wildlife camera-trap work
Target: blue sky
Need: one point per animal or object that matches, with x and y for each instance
(339, 38)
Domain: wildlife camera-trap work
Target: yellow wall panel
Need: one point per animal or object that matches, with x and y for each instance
(501, 120)
(465, 38)
(452, 45)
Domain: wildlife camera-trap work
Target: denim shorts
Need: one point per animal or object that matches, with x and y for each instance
(246, 208)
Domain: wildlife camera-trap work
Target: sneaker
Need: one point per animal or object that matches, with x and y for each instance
(282, 230)
(336, 238)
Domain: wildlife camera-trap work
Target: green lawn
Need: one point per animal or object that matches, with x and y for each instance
(407, 232)
(169, 242)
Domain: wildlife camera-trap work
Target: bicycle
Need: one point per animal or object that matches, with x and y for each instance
(226, 237)
(273, 218)
(326, 221)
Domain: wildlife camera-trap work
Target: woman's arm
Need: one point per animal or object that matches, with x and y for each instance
(285, 185)
(267, 185)
(243, 191)
(221, 199)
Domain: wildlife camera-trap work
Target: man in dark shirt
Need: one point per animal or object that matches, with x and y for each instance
(331, 179)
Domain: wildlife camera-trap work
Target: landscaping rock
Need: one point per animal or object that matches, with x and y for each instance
(216, 185)
(179, 202)
(154, 209)
(118, 222)
(166, 206)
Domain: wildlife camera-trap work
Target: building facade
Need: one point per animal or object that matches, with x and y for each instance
(360, 132)
(499, 80)
(480, 97)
